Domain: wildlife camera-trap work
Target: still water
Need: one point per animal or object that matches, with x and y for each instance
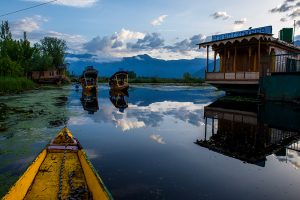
(161, 142)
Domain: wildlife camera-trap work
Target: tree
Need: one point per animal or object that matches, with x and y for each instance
(187, 76)
(131, 75)
(54, 47)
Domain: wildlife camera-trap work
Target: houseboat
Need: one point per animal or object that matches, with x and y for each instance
(89, 80)
(250, 57)
(119, 81)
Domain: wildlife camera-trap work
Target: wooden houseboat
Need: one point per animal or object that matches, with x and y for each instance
(246, 56)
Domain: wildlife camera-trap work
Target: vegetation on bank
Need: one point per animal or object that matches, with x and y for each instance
(133, 78)
(15, 84)
(18, 58)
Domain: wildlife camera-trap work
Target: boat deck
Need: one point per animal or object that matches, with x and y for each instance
(46, 182)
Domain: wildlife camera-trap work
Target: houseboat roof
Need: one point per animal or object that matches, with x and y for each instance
(248, 38)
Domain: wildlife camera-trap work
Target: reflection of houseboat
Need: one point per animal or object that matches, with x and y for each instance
(119, 81)
(89, 79)
(252, 61)
(247, 131)
(119, 99)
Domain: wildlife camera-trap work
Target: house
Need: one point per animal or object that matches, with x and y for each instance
(247, 56)
(55, 75)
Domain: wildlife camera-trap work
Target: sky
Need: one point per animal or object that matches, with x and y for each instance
(165, 29)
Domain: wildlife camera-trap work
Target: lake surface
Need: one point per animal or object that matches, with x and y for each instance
(161, 142)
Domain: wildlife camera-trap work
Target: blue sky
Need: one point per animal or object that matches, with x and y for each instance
(166, 29)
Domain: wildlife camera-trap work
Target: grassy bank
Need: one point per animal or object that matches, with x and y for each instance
(15, 84)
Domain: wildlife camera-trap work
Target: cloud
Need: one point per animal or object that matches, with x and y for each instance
(126, 124)
(150, 41)
(241, 21)
(158, 21)
(72, 3)
(157, 138)
(285, 6)
(220, 15)
(28, 24)
(188, 44)
(295, 13)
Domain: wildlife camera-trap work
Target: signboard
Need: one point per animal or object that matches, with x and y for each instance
(262, 30)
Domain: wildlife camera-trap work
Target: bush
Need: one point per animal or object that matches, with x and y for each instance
(15, 84)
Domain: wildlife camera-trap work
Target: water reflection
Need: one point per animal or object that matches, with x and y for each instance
(89, 101)
(119, 99)
(250, 132)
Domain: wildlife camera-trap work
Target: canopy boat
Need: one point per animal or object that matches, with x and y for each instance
(119, 99)
(119, 81)
(89, 79)
(61, 171)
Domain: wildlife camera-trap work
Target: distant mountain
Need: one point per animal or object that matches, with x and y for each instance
(142, 65)
(297, 43)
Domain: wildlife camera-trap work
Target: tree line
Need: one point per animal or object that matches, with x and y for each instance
(18, 57)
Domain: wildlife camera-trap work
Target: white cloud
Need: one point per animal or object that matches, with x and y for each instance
(157, 138)
(72, 3)
(239, 24)
(221, 14)
(28, 24)
(127, 124)
(126, 34)
(158, 21)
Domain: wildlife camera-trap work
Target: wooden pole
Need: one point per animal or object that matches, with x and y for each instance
(207, 57)
(215, 57)
(258, 59)
(234, 60)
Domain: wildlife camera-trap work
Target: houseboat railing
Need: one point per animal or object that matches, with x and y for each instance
(232, 75)
(286, 62)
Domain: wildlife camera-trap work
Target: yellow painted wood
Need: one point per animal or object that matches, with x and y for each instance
(94, 182)
(46, 183)
(19, 190)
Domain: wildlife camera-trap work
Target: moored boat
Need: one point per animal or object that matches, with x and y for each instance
(119, 81)
(61, 171)
(89, 79)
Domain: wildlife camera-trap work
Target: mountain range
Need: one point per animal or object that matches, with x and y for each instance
(142, 65)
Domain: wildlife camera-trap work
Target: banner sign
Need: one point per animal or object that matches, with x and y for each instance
(263, 30)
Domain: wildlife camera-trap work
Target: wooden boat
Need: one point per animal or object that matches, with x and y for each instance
(119, 81)
(61, 171)
(89, 79)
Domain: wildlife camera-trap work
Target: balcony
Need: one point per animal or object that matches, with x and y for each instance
(232, 77)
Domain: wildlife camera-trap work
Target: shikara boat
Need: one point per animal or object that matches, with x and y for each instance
(61, 171)
(119, 81)
(89, 79)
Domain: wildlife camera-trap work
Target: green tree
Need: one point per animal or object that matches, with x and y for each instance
(187, 76)
(131, 75)
(54, 47)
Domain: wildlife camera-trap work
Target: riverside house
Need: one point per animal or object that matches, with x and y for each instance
(247, 56)
(55, 75)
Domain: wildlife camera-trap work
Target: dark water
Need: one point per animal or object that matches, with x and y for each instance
(169, 143)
